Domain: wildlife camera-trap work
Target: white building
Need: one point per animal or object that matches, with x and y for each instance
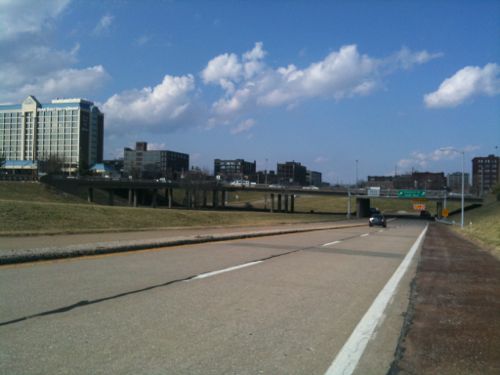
(70, 129)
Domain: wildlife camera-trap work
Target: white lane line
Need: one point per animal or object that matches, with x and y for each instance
(213, 273)
(348, 357)
(381, 230)
(331, 243)
(364, 235)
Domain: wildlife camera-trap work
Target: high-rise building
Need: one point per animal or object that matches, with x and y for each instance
(141, 163)
(313, 178)
(485, 173)
(235, 169)
(291, 173)
(71, 130)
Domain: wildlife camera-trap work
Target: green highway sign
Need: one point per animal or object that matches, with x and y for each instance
(411, 193)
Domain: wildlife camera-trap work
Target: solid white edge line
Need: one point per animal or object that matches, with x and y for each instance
(331, 243)
(348, 357)
(208, 274)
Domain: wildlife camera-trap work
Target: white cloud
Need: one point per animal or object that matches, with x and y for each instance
(142, 40)
(222, 69)
(103, 24)
(66, 82)
(249, 83)
(321, 160)
(156, 146)
(165, 104)
(27, 16)
(465, 84)
(407, 58)
(341, 74)
(29, 65)
(243, 126)
(23, 64)
(423, 160)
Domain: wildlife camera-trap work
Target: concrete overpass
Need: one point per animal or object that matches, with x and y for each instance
(197, 193)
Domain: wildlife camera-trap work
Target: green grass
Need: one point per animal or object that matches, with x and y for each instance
(482, 224)
(50, 218)
(34, 191)
(32, 208)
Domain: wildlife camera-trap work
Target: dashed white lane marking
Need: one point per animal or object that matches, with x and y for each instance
(331, 243)
(213, 273)
(348, 357)
(364, 235)
(381, 230)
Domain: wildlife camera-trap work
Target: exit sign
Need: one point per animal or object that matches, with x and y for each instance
(411, 193)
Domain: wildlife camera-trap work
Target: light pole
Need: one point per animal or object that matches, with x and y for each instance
(356, 172)
(463, 187)
(463, 182)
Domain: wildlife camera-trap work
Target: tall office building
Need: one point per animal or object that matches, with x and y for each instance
(485, 173)
(235, 169)
(72, 130)
(291, 173)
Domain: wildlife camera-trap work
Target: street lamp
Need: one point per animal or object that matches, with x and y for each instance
(357, 172)
(463, 181)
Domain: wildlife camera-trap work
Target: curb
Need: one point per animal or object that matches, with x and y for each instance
(99, 248)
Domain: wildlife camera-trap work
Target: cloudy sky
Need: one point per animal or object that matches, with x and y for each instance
(395, 85)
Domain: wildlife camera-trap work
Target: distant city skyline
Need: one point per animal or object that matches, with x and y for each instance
(393, 85)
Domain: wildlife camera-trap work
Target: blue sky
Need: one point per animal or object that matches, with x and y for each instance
(393, 84)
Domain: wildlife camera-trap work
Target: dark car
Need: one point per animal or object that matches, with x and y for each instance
(377, 219)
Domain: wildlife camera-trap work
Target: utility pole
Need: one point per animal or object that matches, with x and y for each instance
(356, 183)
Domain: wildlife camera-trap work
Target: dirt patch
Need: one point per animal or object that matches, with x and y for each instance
(453, 323)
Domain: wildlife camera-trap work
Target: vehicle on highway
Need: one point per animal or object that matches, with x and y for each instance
(240, 183)
(425, 215)
(312, 187)
(377, 219)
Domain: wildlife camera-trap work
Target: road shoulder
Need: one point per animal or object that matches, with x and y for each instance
(452, 324)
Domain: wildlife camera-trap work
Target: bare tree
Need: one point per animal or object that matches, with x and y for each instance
(52, 164)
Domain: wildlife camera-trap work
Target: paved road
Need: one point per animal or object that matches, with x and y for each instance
(148, 313)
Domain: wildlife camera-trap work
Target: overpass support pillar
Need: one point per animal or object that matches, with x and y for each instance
(215, 199)
(272, 202)
(439, 208)
(90, 195)
(110, 197)
(204, 199)
(130, 197)
(169, 194)
(223, 198)
(154, 199)
(135, 193)
(362, 207)
(292, 203)
(286, 203)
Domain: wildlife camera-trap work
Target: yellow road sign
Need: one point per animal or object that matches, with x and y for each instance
(419, 207)
(445, 212)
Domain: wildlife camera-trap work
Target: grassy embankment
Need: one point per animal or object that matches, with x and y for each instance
(32, 208)
(482, 224)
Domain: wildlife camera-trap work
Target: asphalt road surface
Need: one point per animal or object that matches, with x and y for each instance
(283, 305)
